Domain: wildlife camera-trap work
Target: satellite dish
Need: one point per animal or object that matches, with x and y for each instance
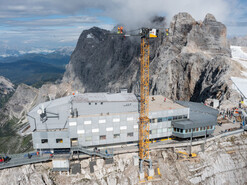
(39, 111)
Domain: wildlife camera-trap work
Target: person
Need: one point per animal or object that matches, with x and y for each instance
(29, 155)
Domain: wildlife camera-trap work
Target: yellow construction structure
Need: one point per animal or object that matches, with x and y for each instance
(144, 108)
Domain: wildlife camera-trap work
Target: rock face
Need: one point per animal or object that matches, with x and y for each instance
(223, 162)
(190, 63)
(6, 90)
(6, 87)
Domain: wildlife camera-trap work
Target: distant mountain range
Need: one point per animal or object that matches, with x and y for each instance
(34, 67)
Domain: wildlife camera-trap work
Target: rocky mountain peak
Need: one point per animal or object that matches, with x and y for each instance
(189, 64)
(209, 18)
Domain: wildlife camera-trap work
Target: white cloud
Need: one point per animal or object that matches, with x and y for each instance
(52, 22)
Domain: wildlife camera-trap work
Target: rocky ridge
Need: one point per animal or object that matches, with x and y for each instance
(223, 162)
(190, 64)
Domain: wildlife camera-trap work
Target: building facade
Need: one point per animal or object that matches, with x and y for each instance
(95, 119)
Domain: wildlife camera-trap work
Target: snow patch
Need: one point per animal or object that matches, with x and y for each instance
(90, 36)
(238, 53)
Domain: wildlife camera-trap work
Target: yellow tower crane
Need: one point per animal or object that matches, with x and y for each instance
(144, 155)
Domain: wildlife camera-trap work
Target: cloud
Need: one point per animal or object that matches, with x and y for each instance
(52, 22)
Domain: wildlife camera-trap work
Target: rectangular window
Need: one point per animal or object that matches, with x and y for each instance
(87, 122)
(88, 138)
(130, 119)
(197, 129)
(109, 129)
(186, 131)
(72, 123)
(180, 117)
(190, 130)
(116, 135)
(175, 117)
(211, 127)
(164, 129)
(102, 121)
(159, 130)
(130, 134)
(208, 127)
(115, 120)
(135, 126)
(80, 131)
(102, 137)
(154, 131)
(181, 130)
(194, 129)
(123, 127)
(95, 130)
(164, 119)
(159, 119)
(44, 140)
(201, 128)
(169, 118)
(59, 140)
(175, 129)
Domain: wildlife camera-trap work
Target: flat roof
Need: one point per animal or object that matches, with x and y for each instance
(159, 103)
(200, 115)
(105, 97)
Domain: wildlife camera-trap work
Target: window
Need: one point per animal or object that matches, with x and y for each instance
(208, 127)
(59, 140)
(159, 119)
(109, 129)
(164, 119)
(116, 135)
(154, 131)
(101, 103)
(95, 130)
(89, 103)
(116, 120)
(130, 134)
(135, 126)
(130, 119)
(80, 131)
(169, 118)
(197, 129)
(204, 128)
(72, 123)
(102, 137)
(102, 121)
(123, 127)
(190, 130)
(211, 127)
(44, 140)
(186, 130)
(164, 129)
(159, 130)
(87, 122)
(181, 130)
(175, 117)
(88, 138)
(185, 116)
(194, 129)
(175, 129)
(180, 117)
(201, 128)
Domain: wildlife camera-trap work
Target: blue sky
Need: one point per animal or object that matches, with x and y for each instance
(48, 24)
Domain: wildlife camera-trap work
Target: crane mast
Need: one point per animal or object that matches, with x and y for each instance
(144, 108)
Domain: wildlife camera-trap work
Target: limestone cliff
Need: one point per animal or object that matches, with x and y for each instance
(189, 64)
(223, 162)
